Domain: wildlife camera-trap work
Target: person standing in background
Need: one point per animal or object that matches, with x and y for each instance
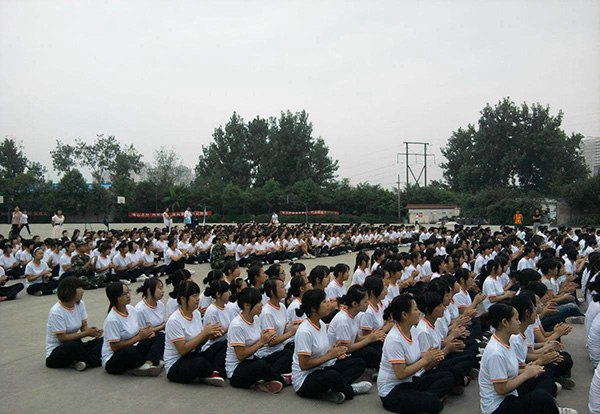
(187, 217)
(25, 221)
(16, 222)
(167, 219)
(57, 224)
(537, 218)
(518, 220)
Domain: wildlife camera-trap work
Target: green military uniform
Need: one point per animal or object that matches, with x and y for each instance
(217, 256)
(86, 274)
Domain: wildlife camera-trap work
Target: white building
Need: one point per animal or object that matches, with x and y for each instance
(591, 153)
(431, 213)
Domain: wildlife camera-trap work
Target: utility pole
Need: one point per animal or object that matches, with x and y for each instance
(399, 207)
(409, 170)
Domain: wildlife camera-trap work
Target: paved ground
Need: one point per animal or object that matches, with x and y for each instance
(29, 387)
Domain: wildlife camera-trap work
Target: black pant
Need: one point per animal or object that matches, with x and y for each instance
(71, 351)
(249, 372)
(134, 356)
(15, 272)
(562, 369)
(371, 354)
(422, 395)
(458, 365)
(281, 361)
(198, 364)
(173, 266)
(66, 274)
(338, 378)
(544, 383)
(536, 402)
(11, 291)
(45, 287)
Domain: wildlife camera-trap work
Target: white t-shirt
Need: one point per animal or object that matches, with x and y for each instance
(291, 312)
(120, 262)
(397, 349)
(205, 302)
(313, 341)
(215, 314)
(594, 396)
(272, 318)
(518, 343)
(335, 289)
(118, 327)
(592, 311)
(492, 288)
(393, 291)
(372, 318)
(8, 262)
(428, 336)
(180, 328)
(63, 320)
(241, 333)
(170, 252)
(172, 306)
(65, 260)
(102, 262)
(359, 276)
(343, 328)
(593, 342)
(150, 315)
(35, 270)
(462, 299)
(498, 364)
(232, 310)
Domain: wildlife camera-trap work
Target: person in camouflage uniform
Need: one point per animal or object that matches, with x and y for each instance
(84, 267)
(218, 252)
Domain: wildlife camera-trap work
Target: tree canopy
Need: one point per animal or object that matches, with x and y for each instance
(282, 149)
(513, 146)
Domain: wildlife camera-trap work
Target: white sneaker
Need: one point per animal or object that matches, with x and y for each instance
(192, 273)
(334, 397)
(142, 278)
(575, 320)
(558, 387)
(147, 370)
(126, 281)
(566, 411)
(362, 387)
(79, 366)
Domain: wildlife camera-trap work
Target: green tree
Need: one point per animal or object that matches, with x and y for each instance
(63, 157)
(13, 161)
(520, 147)
(71, 193)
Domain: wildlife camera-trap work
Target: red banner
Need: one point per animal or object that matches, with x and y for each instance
(173, 214)
(310, 212)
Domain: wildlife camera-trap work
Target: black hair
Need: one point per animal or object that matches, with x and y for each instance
(67, 288)
(356, 293)
(186, 290)
(538, 288)
(400, 304)
(522, 303)
(114, 290)
(216, 286)
(376, 255)
(296, 284)
(393, 266)
(428, 301)
(250, 296)
(317, 274)
(234, 288)
(214, 274)
(229, 266)
(361, 257)
(436, 262)
(296, 268)
(149, 286)
(339, 269)
(177, 278)
(498, 312)
(311, 302)
(373, 285)
(270, 287)
(253, 271)
(462, 274)
(547, 264)
(273, 271)
(527, 276)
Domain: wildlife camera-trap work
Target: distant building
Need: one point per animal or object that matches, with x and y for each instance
(591, 154)
(431, 213)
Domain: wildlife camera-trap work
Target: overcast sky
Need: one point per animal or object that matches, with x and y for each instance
(370, 74)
